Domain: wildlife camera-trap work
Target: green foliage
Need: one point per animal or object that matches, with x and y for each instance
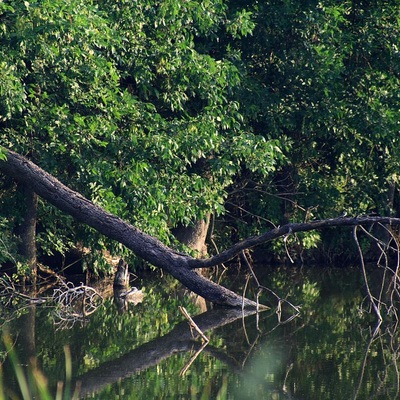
(3, 154)
(322, 78)
(163, 112)
(7, 242)
(332, 83)
(121, 101)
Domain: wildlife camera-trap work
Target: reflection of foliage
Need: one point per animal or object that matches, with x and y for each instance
(13, 302)
(327, 350)
(33, 384)
(319, 355)
(310, 293)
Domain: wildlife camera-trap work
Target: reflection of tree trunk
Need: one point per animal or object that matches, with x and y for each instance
(27, 228)
(152, 353)
(27, 336)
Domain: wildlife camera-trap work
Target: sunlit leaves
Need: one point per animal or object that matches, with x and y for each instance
(328, 79)
(128, 103)
(12, 95)
(241, 25)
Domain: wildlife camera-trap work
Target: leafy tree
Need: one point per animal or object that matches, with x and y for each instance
(115, 99)
(324, 76)
(165, 112)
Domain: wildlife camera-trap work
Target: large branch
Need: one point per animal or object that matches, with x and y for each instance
(286, 230)
(142, 244)
(179, 265)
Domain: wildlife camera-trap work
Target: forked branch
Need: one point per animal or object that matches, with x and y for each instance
(149, 248)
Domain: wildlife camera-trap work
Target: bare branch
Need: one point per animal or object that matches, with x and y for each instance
(375, 306)
(286, 230)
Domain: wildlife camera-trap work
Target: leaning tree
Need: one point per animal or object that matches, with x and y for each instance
(181, 266)
(128, 103)
(154, 111)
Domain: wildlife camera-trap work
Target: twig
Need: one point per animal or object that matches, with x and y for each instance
(252, 345)
(371, 297)
(244, 291)
(251, 214)
(217, 251)
(364, 363)
(285, 239)
(192, 323)
(190, 362)
(261, 287)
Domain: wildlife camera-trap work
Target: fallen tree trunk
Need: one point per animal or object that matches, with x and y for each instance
(179, 265)
(142, 244)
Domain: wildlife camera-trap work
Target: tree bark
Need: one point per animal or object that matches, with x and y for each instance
(194, 236)
(26, 230)
(142, 244)
(179, 265)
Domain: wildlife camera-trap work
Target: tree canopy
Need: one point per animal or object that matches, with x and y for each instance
(165, 112)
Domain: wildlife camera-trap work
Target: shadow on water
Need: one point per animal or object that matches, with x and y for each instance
(148, 350)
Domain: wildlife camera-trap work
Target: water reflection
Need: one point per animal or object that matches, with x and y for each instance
(328, 352)
(179, 339)
(262, 374)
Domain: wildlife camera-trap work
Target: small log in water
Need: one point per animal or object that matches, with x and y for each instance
(121, 279)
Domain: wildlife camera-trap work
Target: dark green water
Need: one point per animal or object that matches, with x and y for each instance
(324, 353)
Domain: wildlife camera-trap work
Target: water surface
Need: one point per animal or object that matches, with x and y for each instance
(149, 351)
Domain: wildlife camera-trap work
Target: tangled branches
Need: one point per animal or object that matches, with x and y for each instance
(11, 297)
(75, 303)
(387, 299)
(71, 303)
(12, 301)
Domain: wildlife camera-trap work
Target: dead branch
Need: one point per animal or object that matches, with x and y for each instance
(261, 288)
(70, 303)
(192, 324)
(76, 302)
(192, 359)
(287, 230)
(372, 299)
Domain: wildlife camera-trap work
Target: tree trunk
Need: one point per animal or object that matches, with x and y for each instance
(142, 244)
(194, 236)
(26, 230)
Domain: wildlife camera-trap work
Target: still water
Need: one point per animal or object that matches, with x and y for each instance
(148, 351)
